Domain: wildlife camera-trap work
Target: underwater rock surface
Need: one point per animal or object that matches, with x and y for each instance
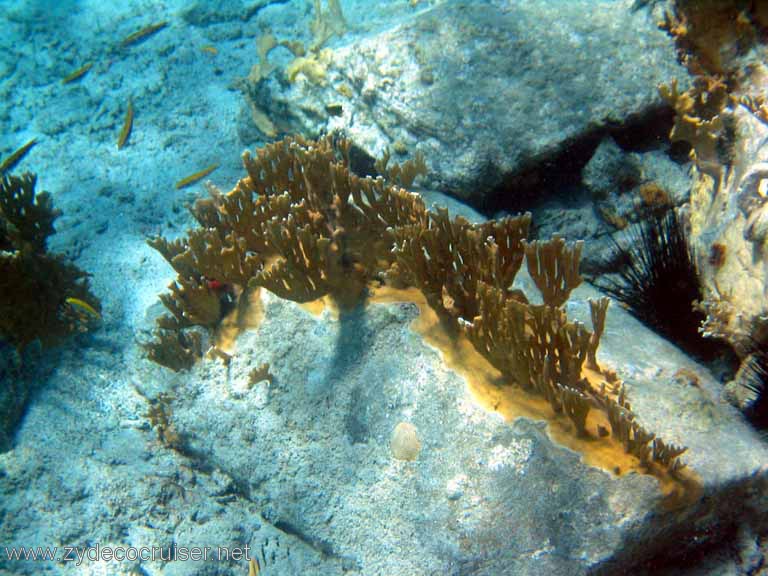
(617, 188)
(301, 470)
(484, 89)
(484, 496)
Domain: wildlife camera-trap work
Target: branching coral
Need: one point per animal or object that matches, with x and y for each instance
(175, 349)
(300, 225)
(699, 121)
(536, 348)
(554, 267)
(401, 174)
(447, 258)
(636, 439)
(303, 226)
(26, 217)
(41, 294)
(598, 310)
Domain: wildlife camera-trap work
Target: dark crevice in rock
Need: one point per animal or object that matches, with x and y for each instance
(560, 172)
(693, 543)
(644, 132)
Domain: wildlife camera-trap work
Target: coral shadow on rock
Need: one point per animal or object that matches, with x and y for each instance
(351, 342)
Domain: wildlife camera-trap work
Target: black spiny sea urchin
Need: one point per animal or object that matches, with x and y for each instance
(753, 375)
(657, 282)
(756, 381)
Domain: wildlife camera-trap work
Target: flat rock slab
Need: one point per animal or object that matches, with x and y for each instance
(483, 89)
(484, 496)
(301, 471)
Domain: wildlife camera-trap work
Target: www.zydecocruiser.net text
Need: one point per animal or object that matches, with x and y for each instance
(97, 553)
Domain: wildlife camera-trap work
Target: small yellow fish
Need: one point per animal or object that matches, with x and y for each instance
(192, 178)
(77, 74)
(83, 305)
(253, 568)
(127, 125)
(210, 49)
(10, 162)
(140, 35)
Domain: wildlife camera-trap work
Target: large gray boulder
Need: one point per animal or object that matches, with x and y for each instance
(300, 468)
(311, 450)
(484, 496)
(483, 89)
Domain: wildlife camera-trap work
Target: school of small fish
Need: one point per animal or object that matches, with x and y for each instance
(123, 138)
(81, 308)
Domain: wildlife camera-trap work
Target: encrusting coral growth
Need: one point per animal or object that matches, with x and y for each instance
(724, 117)
(711, 34)
(42, 296)
(303, 226)
(309, 63)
